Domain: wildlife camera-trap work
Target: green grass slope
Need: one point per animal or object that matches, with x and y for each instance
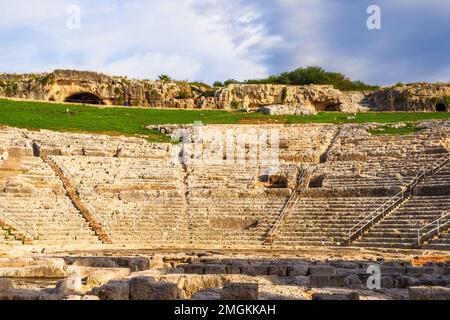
(130, 121)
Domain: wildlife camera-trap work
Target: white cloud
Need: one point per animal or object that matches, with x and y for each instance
(219, 39)
(192, 39)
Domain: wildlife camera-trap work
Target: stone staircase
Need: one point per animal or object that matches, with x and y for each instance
(395, 224)
(399, 229)
(435, 234)
(302, 181)
(441, 242)
(323, 221)
(290, 204)
(14, 229)
(95, 225)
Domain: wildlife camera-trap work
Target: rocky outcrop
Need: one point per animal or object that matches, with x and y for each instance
(427, 97)
(279, 110)
(312, 97)
(68, 85)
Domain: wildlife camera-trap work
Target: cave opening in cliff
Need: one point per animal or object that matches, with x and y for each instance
(84, 98)
(440, 107)
(332, 108)
(327, 107)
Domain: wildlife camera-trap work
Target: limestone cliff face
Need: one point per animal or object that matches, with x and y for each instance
(91, 87)
(62, 84)
(313, 97)
(413, 97)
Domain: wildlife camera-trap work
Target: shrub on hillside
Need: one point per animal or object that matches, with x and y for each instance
(230, 81)
(164, 77)
(314, 75)
(234, 105)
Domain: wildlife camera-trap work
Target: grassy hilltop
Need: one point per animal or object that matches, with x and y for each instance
(131, 121)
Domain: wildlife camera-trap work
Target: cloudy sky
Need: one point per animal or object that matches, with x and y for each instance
(219, 39)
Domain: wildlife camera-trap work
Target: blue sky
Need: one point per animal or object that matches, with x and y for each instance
(219, 39)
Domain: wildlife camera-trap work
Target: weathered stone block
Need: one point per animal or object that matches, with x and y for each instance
(157, 263)
(115, 290)
(404, 282)
(344, 265)
(193, 268)
(335, 296)
(322, 270)
(102, 276)
(420, 271)
(387, 282)
(233, 269)
(353, 281)
(321, 281)
(298, 270)
(240, 291)
(207, 294)
(215, 269)
(256, 270)
(95, 262)
(280, 271)
(145, 288)
(5, 285)
(34, 272)
(192, 284)
(429, 293)
(446, 271)
(139, 264)
(392, 270)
